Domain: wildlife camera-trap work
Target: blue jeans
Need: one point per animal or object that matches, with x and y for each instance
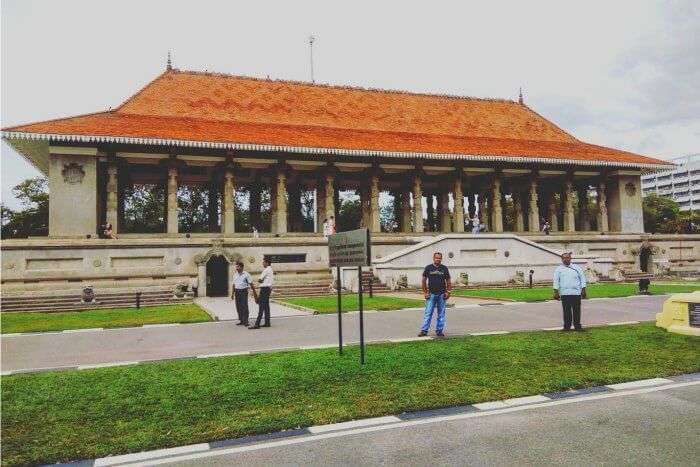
(433, 301)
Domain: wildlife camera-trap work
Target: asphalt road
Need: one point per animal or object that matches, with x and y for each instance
(661, 428)
(90, 347)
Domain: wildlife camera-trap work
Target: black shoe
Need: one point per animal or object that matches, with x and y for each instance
(440, 334)
(266, 325)
(254, 327)
(422, 334)
(579, 329)
(240, 323)
(566, 329)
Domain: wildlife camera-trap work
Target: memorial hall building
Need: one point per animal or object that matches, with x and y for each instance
(198, 169)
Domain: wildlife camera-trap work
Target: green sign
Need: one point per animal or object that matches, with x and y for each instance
(350, 248)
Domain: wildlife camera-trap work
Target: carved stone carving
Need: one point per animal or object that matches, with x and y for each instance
(630, 189)
(97, 263)
(73, 173)
(217, 249)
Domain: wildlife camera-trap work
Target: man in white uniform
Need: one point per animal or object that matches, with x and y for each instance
(241, 282)
(265, 281)
(570, 288)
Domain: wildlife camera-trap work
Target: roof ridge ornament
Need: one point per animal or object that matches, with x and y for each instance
(169, 62)
(521, 101)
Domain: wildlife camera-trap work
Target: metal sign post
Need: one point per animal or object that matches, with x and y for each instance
(351, 248)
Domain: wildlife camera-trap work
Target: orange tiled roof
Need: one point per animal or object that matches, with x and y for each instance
(205, 107)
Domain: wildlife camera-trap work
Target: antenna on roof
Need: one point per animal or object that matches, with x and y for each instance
(311, 55)
(169, 63)
(520, 96)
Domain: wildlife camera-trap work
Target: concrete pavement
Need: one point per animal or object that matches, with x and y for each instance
(103, 347)
(223, 309)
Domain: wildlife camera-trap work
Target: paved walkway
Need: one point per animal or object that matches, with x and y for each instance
(223, 308)
(109, 346)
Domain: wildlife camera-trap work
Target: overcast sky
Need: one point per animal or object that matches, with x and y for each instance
(623, 74)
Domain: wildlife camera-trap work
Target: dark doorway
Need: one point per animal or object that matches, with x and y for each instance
(644, 257)
(217, 277)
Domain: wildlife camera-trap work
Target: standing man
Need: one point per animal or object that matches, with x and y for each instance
(570, 287)
(241, 282)
(436, 285)
(265, 280)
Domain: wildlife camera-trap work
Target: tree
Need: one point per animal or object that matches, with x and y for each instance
(33, 218)
(144, 208)
(661, 214)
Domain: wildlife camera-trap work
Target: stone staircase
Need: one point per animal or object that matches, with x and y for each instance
(377, 287)
(104, 298)
(631, 275)
(317, 284)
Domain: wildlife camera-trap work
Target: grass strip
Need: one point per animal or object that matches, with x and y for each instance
(329, 303)
(64, 416)
(101, 318)
(538, 294)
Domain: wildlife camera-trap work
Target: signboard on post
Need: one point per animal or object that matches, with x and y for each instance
(348, 249)
(351, 248)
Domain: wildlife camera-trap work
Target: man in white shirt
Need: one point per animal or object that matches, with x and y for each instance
(241, 282)
(265, 281)
(569, 287)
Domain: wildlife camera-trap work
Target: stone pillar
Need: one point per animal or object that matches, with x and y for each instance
(254, 211)
(320, 205)
(497, 209)
(374, 221)
(417, 205)
(405, 211)
(484, 210)
(533, 220)
(584, 221)
(430, 212)
(569, 220)
(602, 208)
(458, 218)
(172, 201)
(112, 214)
(365, 206)
(518, 207)
(329, 201)
(280, 213)
(229, 220)
(445, 216)
(552, 211)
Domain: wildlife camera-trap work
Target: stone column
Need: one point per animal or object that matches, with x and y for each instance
(533, 220)
(569, 220)
(484, 210)
(405, 211)
(497, 209)
(112, 214)
(280, 213)
(430, 212)
(602, 208)
(320, 204)
(172, 200)
(417, 205)
(445, 216)
(583, 215)
(254, 210)
(329, 200)
(375, 225)
(518, 207)
(552, 211)
(458, 219)
(229, 219)
(364, 203)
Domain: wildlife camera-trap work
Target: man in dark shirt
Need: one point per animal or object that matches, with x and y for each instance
(436, 285)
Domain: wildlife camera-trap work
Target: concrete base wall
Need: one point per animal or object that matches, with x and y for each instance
(55, 264)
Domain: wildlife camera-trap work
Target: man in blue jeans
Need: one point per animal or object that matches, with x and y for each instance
(436, 285)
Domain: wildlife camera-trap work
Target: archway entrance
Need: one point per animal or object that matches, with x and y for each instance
(644, 258)
(217, 276)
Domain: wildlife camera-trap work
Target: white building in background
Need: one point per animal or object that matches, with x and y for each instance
(682, 184)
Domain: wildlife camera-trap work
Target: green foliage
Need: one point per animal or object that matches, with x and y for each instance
(71, 415)
(349, 215)
(329, 303)
(144, 208)
(661, 214)
(101, 318)
(33, 218)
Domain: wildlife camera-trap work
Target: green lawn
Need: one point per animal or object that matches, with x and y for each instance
(62, 416)
(329, 304)
(106, 318)
(537, 294)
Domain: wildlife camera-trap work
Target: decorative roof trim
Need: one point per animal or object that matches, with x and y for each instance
(318, 151)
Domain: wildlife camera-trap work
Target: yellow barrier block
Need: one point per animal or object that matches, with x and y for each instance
(681, 314)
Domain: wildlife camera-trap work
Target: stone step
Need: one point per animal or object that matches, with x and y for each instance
(81, 307)
(71, 298)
